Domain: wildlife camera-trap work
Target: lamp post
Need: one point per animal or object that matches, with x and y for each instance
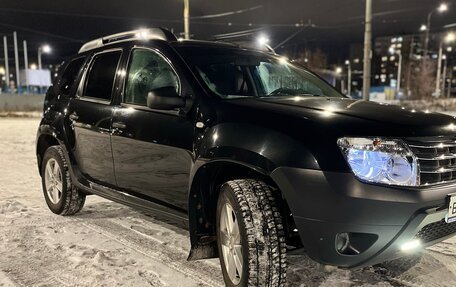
(7, 73)
(46, 49)
(442, 89)
(186, 19)
(441, 9)
(393, 51)
(16, 62)
(337, 72)
(367, 51)
(349, 77)
(26, 66)
(451, 37)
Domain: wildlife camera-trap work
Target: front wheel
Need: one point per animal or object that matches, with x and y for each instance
(251, 241)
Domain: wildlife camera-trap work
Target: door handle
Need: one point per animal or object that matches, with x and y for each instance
(74, 117)
(119, 125)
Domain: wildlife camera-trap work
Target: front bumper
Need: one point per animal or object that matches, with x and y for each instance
(325, 204)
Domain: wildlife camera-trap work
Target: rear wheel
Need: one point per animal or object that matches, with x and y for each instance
(251, 239)
(61, 196)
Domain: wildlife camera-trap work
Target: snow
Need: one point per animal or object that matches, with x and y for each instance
(108, 244)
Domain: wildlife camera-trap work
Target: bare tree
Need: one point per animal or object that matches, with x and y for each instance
(314, 60)
(422, 79)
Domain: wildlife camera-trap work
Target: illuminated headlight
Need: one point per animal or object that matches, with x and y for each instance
(378, 160)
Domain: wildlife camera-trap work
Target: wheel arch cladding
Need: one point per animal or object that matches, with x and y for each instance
(203, 198)
(223, 157)
(258, 146)
(51, 132)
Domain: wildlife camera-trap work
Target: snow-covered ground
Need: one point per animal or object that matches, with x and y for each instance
(108, 244)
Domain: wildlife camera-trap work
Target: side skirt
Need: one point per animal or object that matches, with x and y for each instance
(177, 217)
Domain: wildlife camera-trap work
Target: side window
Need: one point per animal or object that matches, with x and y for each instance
(102, 73)
(69, 75)
(147, 71)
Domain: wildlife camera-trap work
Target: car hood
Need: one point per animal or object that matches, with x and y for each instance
(343, 116)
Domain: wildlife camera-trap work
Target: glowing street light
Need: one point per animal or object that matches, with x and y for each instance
(339, 70)
(450, 37)
(46, 49)
(423, 28)
(442, 8)
(337, 73)
(262, 40)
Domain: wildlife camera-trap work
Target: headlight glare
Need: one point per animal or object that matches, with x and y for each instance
(380, 160)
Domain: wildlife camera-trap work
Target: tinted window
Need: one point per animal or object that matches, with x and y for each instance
(70, 74)
(147, 71)
(101, 76)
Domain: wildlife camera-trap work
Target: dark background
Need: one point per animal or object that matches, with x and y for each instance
(331, 25)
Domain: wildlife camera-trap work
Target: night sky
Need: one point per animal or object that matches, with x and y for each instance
(327, 24)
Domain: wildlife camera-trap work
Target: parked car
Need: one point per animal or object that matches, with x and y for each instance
(259, 155)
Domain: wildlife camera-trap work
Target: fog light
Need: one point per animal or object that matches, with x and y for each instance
(342, 242)
(413, 244)
(352, 243)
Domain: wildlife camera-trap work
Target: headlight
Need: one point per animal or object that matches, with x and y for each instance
(381, 160)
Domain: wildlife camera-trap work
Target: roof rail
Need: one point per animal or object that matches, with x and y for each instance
(141, 34)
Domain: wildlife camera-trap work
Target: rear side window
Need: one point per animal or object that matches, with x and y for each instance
(70, 74)
(102, 73)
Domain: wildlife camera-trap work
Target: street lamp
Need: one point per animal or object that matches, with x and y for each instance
(186, 19)
(337, 72)
(393, 51)
(262, 40)
(46, 49)
(349, 77)
(440, 9)
(449, 38)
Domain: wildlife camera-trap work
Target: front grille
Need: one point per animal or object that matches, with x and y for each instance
(437, 160)
(436, 231)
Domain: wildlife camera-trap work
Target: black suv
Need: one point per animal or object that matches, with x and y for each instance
(258, 155)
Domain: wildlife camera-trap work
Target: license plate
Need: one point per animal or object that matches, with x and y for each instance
(451, 216)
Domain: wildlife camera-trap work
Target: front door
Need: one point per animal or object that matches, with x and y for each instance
(152, 149)
(91, 113)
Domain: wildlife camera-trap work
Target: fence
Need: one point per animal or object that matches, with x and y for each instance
(21, 103)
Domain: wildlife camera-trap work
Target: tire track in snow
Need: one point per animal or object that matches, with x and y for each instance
(151, 247)
(50, 268)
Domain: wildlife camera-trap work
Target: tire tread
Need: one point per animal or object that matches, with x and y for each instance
(265, 233)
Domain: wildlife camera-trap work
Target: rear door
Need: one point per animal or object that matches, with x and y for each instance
(90, 113)
(152, 149)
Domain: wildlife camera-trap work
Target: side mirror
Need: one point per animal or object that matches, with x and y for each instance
(165, 98)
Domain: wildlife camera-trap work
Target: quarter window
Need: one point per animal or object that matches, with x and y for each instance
(101, 76)
(69, 75)
(147, 71)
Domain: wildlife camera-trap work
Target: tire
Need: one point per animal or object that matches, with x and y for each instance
(252, 208)
(61, 196)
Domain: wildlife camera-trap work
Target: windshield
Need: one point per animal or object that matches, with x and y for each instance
(231, 73)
